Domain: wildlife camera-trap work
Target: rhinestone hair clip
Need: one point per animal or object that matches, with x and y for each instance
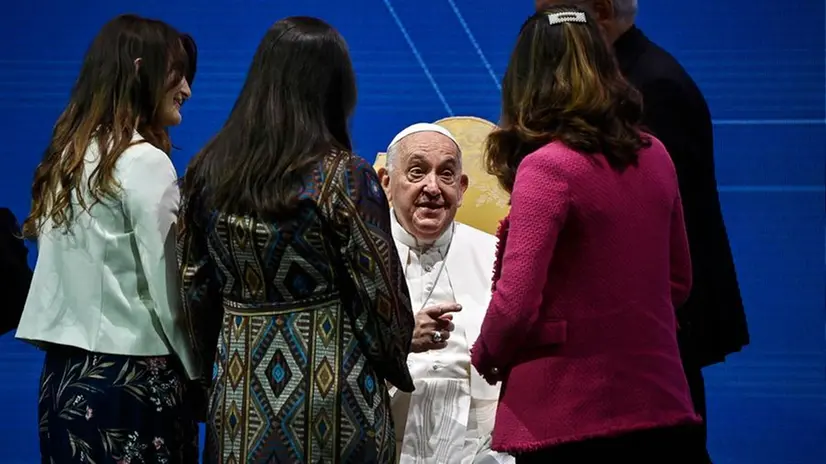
(566, 17)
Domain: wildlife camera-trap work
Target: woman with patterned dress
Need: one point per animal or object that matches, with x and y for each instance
(290, 276)
(103, 300)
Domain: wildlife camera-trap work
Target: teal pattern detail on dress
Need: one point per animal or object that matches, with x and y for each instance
(306, 318)
(100, 408)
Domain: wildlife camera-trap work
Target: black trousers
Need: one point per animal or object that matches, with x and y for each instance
(657, 446)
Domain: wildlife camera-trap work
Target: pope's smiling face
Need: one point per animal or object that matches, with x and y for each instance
(425, 183)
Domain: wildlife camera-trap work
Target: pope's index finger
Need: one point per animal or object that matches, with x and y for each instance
(441, 309)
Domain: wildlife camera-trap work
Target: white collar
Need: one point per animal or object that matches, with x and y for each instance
(408, 240)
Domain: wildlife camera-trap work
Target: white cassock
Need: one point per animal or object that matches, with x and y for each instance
(449, 417)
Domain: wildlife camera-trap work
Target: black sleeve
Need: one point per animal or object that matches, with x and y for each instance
(713, 315)
(683, 125)
(15, 274)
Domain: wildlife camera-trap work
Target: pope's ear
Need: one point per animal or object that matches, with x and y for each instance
(384, 179)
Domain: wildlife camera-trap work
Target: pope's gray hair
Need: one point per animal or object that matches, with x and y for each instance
(392, 156)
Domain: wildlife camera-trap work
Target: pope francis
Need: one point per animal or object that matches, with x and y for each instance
(449, 417)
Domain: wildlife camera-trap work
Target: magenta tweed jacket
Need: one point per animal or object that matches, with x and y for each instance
(581, 327)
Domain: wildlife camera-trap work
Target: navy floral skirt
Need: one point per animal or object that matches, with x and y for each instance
(112, 409)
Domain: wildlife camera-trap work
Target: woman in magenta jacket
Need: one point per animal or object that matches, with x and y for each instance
(593, 260)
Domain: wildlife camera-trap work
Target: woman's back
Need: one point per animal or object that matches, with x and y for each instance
(101, 284)
(603, 344)
(617, 236)
(295, 380)
(295, 279)
(103, 299)
(582, 326)
(279, 262)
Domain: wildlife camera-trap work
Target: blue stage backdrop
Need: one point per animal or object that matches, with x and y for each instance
(760, 64)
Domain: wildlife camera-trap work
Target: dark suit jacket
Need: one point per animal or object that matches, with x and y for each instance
(15, 275)
(713, 322)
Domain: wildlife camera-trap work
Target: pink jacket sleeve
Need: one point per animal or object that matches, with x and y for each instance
(539, 205)
(680, 257)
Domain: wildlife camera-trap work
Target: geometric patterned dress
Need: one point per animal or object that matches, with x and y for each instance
(304, 320)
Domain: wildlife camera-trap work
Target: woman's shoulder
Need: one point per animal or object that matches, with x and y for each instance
(555, 156)
(555, 152)
(143, 154)
(142, 169)
(357, 165)
(351, 171)
(354, 181)
(655, 144)
(656, 156)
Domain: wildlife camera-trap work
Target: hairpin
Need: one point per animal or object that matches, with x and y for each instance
(566, 17)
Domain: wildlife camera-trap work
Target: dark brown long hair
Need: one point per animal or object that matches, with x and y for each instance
(563, 83)
(111, 99)
(292, 112)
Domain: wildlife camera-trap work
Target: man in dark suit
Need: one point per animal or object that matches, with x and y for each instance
(15, 275)
(712, 322)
